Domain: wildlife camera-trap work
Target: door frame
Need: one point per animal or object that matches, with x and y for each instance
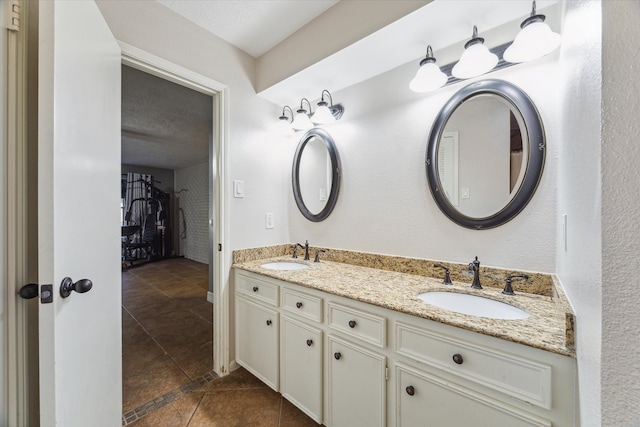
(149, 63)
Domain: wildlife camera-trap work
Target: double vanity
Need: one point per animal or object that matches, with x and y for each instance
(363, 340)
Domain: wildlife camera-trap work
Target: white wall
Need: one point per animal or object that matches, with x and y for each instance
(620, 214)
(579, 190)
(253, 152)
(385, 205)
(193, 242)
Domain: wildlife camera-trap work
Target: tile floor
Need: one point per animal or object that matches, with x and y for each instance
(167, 359)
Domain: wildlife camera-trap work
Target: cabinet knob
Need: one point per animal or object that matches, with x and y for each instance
(299, 304)
(309, 342)
(352, 324)
(255, 289)
(337, 356)
(268, 322)
(410, 390)
(458, 359)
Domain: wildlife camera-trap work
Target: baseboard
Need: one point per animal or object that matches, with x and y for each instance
(233, 365)
(210, 297)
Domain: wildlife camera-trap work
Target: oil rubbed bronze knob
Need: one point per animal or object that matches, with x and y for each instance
(299, 304)
(458, 359)
(255, 289)
(309, 342)
(337, 356)
(352, 324)
(410, 390)
(268, 322)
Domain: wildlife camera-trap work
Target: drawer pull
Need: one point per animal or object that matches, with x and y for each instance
(337, 356)
(309, 342)
(458, 359)
(255, 289)
(410, 390)
(268, 322)
(352, 324)
(299, 304)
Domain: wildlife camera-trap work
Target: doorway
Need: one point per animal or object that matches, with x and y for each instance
(216, 238)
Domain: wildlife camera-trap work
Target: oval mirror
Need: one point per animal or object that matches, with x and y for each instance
(485, 154)
(316, 175)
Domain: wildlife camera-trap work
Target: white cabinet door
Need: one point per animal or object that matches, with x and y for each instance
(301, 366)
(79, 65)
(425, 400)
(357, 385)
(257, 340)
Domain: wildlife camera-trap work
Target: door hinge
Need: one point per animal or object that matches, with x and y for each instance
(219, 247)
(13, 15)
(386, 373)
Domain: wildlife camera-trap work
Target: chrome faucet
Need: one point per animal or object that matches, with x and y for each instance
(474, 268)
(508, 290)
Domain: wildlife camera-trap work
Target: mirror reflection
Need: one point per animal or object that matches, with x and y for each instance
(316, 175)
(481, 155)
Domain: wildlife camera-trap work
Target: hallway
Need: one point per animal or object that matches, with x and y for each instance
(167, 357)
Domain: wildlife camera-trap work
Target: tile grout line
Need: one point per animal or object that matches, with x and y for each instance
(195, 410)
(157, 403)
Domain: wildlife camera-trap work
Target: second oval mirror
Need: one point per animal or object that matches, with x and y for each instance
(316, 175)
(486, 154)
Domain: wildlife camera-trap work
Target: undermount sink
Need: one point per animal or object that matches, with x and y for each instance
(284, 265)
(474, 305)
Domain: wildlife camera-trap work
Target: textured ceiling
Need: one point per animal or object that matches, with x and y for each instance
(164, 125)
(254, 26)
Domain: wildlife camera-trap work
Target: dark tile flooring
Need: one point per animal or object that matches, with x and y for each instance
(167, 357)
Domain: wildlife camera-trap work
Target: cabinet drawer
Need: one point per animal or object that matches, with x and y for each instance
(516, 376)
(302, 304)
(257, 290)
(359, 324)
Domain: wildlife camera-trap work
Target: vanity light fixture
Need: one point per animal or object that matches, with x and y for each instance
(429, 76)
(284, 122)
(327, 113)
(534, 40)
(301, 121)
(475, 60)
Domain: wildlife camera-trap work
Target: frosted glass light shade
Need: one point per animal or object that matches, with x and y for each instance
(533, 41)
(475, 61)
(301, 121)
(323, 115)
(429, 77)
(284, 127)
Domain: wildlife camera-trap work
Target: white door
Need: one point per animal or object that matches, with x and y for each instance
(78, 215)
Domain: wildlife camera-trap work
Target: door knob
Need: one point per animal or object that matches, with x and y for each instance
(81, 286)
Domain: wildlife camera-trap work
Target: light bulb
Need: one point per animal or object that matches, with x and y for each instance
(323, 115)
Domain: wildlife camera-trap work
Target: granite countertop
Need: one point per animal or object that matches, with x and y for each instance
(550, 326)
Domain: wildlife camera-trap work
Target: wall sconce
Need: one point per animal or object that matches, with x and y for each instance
(534, 40)
(301, 121)
(429, 76)
(327, 113)
(475, 60)
(284, 122)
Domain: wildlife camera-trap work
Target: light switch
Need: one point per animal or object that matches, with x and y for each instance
(323, 194)
(465, 192)
(238, 189)
(268, 221)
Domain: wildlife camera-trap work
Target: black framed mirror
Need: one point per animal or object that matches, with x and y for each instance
(316, 175)
(485, 154)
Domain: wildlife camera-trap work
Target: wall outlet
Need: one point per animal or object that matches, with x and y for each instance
(268, 221)
(465, 192)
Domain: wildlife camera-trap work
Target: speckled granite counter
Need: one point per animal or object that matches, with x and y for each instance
(550, 326)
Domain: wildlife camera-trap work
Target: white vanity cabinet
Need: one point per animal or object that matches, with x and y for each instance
(349, 363)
